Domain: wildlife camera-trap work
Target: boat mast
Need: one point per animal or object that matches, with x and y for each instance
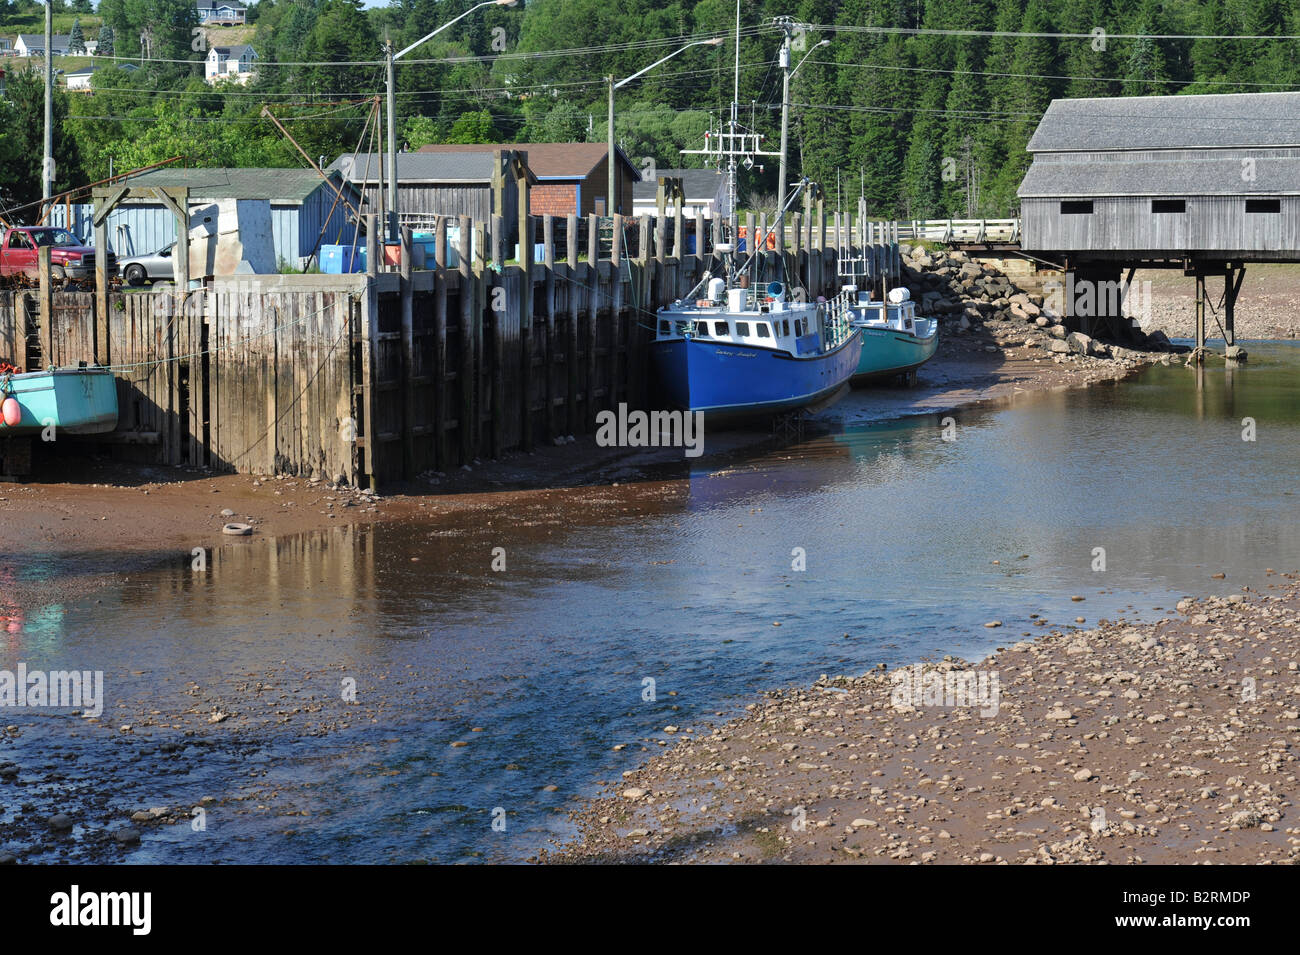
(734, 145)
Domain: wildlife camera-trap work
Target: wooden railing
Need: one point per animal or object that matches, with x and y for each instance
(960, 230)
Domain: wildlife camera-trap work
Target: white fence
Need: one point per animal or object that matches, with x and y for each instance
(961, 230)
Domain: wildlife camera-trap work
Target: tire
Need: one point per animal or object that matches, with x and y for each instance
(135, 275)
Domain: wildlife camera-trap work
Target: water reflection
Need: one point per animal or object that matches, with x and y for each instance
(910, 542)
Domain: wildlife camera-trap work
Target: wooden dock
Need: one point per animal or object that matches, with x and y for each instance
(382, 376)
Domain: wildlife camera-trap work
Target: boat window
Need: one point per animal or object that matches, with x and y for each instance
(663, 328)
(701, 328)
(720, 329)
(763, 330)
(742, 329)
(798, 327)
(785, 326)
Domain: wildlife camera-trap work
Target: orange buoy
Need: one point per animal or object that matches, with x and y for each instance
(12, 412)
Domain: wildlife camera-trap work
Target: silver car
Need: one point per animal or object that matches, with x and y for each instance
(150, 267)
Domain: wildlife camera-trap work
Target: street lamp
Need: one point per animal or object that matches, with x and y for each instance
(612, 207)
(392, 109)
(788, 74)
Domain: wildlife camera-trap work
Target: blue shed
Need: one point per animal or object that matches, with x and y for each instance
(306, 211)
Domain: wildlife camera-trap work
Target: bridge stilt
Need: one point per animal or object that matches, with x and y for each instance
(1232, 278)
(1199, 353)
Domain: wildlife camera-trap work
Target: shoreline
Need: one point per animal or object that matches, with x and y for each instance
(138, 512)
(1165, 742)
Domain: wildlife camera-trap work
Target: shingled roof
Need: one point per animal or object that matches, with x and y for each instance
(697, 184)
(550, 160)
(474, 165)
(1212, 121)
(278, 185)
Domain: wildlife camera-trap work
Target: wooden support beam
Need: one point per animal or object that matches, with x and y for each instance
(408, 354)
(46, 307)
(468, 410)
(527, 341)
(548, 358)
(439, 409)
(573, 291)
(103, 354)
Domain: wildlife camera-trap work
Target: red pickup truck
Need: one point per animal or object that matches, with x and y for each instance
(69, 259)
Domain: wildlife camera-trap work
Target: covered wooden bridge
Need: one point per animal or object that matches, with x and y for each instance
(1203, 183)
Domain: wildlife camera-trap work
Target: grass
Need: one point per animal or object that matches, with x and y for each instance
(35, 23)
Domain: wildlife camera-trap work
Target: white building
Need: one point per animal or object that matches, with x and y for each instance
(706, 191)
(33, 44)
(229, 64)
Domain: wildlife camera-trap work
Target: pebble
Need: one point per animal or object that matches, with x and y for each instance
(59, 822)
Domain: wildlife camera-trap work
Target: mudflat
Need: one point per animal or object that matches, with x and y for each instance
(1170, 742)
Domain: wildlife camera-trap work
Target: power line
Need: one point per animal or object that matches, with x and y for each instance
(930, 31)
(1038, 76)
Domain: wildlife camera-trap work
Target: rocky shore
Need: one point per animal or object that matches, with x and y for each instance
(1171, 742)
(976, 300)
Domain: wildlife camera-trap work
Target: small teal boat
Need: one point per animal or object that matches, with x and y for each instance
(73, 400)
(895, 342)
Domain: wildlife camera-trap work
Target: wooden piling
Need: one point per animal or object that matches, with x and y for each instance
(573, 290)
(467, 385)
(442, 460)
(408, 355)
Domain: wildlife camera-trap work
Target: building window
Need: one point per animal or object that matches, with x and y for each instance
(1168, 205)
(1263, 205)
(1076, 207)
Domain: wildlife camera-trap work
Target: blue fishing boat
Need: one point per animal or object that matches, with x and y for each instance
(895, 341)
(743, 353)
(735, 347)
(73, 400)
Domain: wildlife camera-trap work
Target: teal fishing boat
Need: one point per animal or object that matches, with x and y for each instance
(73, 400)
(895, 341)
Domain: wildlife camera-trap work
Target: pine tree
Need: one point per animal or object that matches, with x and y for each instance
(105, 47)
(76, 39)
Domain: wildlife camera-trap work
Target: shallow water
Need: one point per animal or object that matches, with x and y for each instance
(911, 544)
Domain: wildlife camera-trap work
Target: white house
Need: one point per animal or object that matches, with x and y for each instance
(229, 64)
(224, 13)
(706, 191)
(33, 44)
(81, 79)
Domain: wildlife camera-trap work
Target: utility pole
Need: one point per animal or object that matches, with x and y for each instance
(785, 131)
(391, 216)
(47, 166)
(611, 207)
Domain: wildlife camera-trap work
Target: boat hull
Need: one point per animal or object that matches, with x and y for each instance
(731, 382)
(887, 352)
(73, 400)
